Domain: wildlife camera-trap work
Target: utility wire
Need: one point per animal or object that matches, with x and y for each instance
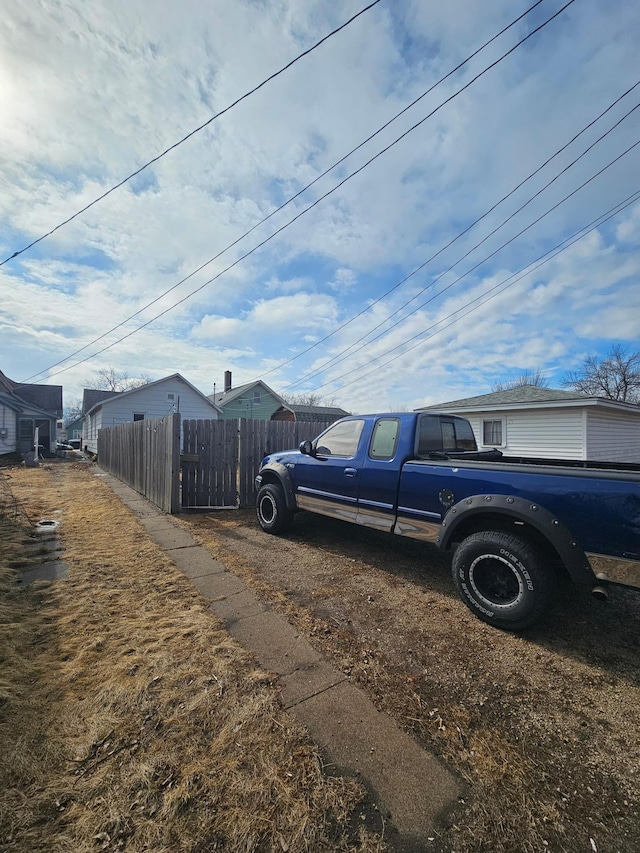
(348, 350)
(542, 216)
(499, 288)
(315, 203)
(194, 131)
(406, 278)
(292, 198)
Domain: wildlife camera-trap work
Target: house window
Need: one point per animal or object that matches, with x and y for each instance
(138, 416)
(493, 433)
(171, 396)
(256, 398)
(26, 429)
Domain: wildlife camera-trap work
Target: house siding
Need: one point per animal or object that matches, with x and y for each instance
(547, 433)
(7, 422)
(613, 436)
(151, 401)
(244, 407)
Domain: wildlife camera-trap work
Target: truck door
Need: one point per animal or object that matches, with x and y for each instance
(379, 477)
(328, 481)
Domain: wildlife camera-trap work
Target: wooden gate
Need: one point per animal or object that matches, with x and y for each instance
(220, 459)
(209, 463)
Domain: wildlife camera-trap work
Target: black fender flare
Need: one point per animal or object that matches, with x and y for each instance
(276, 472)
(533, 515)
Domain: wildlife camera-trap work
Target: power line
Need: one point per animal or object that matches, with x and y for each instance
(194, 131)
(496, 291)
(449, 286)
(339, 357)
(344, 353)
(292, 198)
(315, 203)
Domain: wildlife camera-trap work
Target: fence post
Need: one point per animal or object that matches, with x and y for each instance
(174, 470)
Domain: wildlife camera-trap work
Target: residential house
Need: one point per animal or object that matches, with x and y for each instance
(154, 400)
(73, 430)
(23, 408)
(547, 423)
(308, 414)
(254, 400)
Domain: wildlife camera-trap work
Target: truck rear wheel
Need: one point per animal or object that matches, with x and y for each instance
(271, 507)
(502, 579)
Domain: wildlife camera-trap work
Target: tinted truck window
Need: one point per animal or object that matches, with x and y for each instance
(437, 433)
(385, 437)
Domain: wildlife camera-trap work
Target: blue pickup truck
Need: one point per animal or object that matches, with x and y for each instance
(512, 525)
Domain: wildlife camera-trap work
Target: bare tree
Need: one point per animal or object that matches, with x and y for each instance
(110, 379)
(72, 411)
(529, 377)
(615, 377)
(310, 399)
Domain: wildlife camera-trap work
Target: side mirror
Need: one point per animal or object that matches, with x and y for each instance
(306, 447)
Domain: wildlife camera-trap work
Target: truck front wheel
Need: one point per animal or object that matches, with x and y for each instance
(271, 508)
(503, 580)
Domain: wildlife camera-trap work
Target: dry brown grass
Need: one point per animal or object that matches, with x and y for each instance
(129, 720)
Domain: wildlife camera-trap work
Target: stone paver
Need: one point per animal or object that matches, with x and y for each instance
(219, 585)
(51, 570)
(240, 606)
(195, 562)
(277, 646)
(410, 783)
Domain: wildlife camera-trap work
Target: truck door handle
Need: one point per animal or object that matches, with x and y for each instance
(350, 472)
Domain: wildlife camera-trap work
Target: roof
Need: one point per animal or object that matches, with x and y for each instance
(6, 384)
(119, 394)
(93, 396)
(12, 401)
(527, 396)
(316, 414)
(45, 398)
(227, 396)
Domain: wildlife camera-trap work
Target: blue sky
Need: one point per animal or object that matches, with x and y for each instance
(90, 92)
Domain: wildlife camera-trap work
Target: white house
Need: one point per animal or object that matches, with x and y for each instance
(155, 400)
(545, 423)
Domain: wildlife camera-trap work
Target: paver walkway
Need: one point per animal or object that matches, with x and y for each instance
(409, 785)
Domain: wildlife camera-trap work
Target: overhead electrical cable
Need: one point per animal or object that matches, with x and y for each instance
(497, 289)
(457, 237)
(349, 350)
(194, 131)
(515, 237)
(318, 200)
(289, 200)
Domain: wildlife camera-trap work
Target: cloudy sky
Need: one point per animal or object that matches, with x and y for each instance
(89, 92)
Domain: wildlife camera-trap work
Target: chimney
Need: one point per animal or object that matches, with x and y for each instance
(227, 381)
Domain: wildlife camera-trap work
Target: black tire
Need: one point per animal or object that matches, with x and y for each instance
(271, 507)
(503, 580)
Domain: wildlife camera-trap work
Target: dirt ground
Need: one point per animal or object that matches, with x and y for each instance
(543, 729)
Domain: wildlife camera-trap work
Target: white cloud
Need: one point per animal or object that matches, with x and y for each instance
(90, 92)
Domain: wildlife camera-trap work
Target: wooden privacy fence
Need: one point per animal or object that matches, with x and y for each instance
(217, 465)
(146, 456)
(221, 458)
